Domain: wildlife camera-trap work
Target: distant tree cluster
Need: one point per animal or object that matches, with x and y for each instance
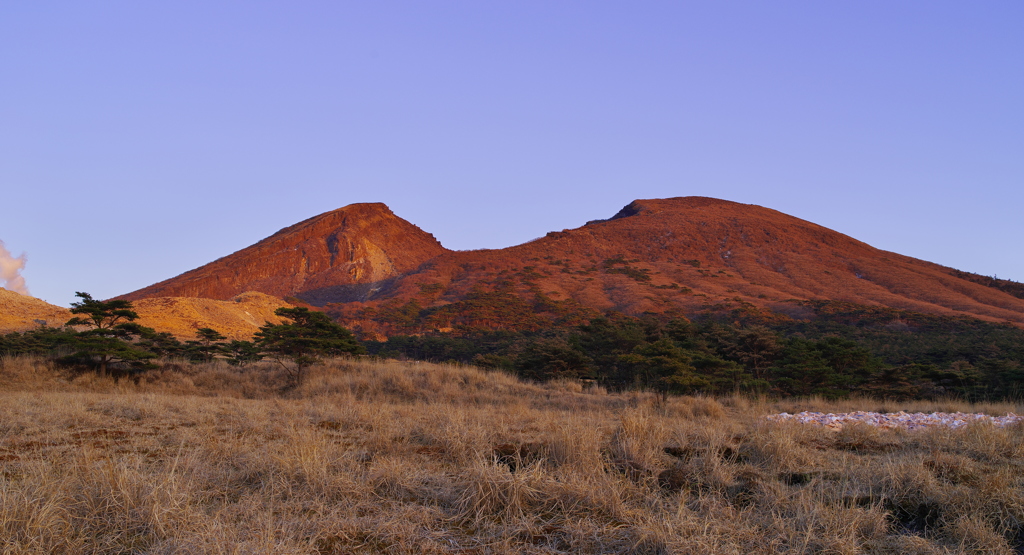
(844, 349)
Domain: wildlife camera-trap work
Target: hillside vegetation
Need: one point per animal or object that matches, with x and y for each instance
(836, 349)
(371, 456)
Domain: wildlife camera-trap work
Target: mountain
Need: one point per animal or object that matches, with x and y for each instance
(323, 258)
(689, 256)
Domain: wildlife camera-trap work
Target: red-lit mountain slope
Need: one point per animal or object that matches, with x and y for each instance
(357, 245)
(687, 255)
(682, 255)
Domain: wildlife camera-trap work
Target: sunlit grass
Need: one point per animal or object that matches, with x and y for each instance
(382, 456)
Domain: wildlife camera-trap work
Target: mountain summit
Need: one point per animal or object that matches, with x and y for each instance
(687, 255)
(351, 246)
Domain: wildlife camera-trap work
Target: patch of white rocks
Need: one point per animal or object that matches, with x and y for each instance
(903, 420)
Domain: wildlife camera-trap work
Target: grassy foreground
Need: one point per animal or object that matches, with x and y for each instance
(388, 457)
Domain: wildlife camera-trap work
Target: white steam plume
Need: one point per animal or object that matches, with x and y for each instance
(10, 271)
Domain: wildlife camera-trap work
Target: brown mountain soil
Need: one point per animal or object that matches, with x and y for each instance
(682, 256)
(317, 260)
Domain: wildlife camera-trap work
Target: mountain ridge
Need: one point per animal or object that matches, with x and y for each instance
(682, 255)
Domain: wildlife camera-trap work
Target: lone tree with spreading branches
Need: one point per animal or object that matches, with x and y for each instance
(108, 341)
(101, 315)
(242, 353)
(205, 348)
(306, 340)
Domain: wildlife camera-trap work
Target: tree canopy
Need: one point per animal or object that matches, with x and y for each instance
(306, 340)
(101, 314)
(109, 339)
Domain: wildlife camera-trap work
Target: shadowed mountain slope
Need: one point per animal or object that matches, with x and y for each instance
(688, 255)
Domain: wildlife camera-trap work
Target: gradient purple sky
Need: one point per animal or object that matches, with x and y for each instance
(139, 140)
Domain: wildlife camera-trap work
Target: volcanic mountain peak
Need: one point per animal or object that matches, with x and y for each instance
(711, 230)
(357, 244)
(354, 216)
(674, 203)
(699, 208)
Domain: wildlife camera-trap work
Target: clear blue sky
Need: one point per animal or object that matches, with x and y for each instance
(139, 140)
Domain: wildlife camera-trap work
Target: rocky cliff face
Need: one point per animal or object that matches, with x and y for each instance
(333, 256)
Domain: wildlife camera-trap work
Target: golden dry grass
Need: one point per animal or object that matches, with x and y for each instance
(236, 318)
(388, 457)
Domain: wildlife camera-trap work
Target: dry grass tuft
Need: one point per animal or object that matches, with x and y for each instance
(380, 456)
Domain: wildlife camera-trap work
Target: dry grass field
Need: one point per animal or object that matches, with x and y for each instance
(389, 457)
